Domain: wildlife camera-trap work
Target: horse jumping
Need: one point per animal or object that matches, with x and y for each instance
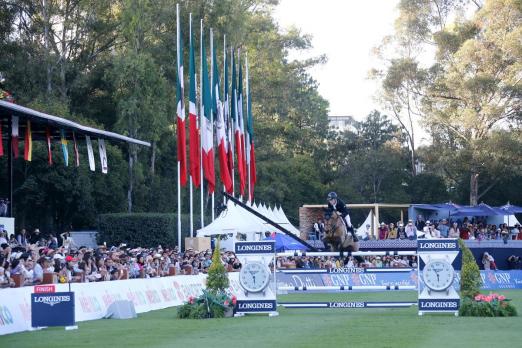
(337, 236)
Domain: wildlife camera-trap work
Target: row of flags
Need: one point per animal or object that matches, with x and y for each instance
(28, 146)
(219, 108)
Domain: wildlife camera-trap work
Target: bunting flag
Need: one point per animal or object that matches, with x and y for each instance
(194, 148)
(237, 129)
(217, 109)
(226, 116)
(1, 141)
(251, 158)
(242, 129)
(103, 155)
(49, 149)
(206, 125)
(90, 153)
(28, 143)
(76, 154)
(14, 135)
(63, 140)
(180, 111)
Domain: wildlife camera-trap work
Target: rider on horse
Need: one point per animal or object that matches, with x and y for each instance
(335, 204)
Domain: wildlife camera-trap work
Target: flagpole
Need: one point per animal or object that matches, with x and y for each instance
(225, 101)
(201, 120)
(247, 134)
(179, 182)
(232, 130)
(190, 176)
(212, 96)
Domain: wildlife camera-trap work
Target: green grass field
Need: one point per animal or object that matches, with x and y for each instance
(293, 328)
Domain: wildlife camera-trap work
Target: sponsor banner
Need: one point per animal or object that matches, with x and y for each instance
(56, 309)
(348, 279)
(429, 245)
(352, 304)
(264, 247)
(43, 289)
(492, 280)
(256, 306)
(437, 305)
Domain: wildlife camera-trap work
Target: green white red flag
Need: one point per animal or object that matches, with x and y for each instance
(194, 146)
(206, 125)
(180, 111)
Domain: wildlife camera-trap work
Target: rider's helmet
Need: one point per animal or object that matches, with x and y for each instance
(331, 195)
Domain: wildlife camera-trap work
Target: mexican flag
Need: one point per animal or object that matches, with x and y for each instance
(237, 128)
(194, 147)
(226, 116)
(242, 129)
(251, 158)
(217, 110)
(206, 125)
(180, 111)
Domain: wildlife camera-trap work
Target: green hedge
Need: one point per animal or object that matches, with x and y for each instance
(141, 229)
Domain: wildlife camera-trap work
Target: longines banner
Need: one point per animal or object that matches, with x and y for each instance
(440, 290)
(256, 278)
(52, 309)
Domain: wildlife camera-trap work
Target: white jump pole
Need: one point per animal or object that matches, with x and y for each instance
(347, 287)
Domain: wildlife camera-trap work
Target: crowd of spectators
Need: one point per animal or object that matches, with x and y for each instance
(464, 229)
(329, 262)
(28, 258)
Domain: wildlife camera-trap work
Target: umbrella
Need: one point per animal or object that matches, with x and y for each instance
(490, 210)
(510, 209)
(284, 242)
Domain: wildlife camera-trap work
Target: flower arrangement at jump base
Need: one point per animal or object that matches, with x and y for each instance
(492, 305)
(214, 302)
(475, 304)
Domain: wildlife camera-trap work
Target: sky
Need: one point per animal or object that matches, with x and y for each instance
(346, 31)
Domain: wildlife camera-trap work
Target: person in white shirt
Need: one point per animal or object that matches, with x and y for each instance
(3, 237)
(411, 230)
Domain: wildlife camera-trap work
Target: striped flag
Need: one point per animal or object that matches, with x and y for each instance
(242, 129)
(180, 110)
(206, 125)
(103, 155)
(251, 158)
(194, 147)
(14, 135)
(90, 153)
(226, 116)
(65, 151)
(49, 141)
(237, 129)
(28, 143)
(217, 109)
(76, 154)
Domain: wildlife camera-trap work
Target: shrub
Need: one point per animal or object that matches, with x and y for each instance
(470, 280)
(141, 229)
(217, 279)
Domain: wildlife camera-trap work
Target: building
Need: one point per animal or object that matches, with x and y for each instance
(342, 123)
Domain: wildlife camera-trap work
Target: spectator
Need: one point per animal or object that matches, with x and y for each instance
(411, 230)
(419, 223)
(486, 262)
(22, 238)
(366, 233)
(454, 231)
(3, 208)
(392, 232)
(443, 228)
(36, 237)
(401, 231)
(514, 262)
(383, 231)
(3, 237)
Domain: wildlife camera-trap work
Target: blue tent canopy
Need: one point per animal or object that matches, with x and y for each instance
(510, 209)
(284, 242)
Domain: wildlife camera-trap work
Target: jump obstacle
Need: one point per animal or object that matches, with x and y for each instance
(346, 304)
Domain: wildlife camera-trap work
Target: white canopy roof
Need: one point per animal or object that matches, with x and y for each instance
(236, 219)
